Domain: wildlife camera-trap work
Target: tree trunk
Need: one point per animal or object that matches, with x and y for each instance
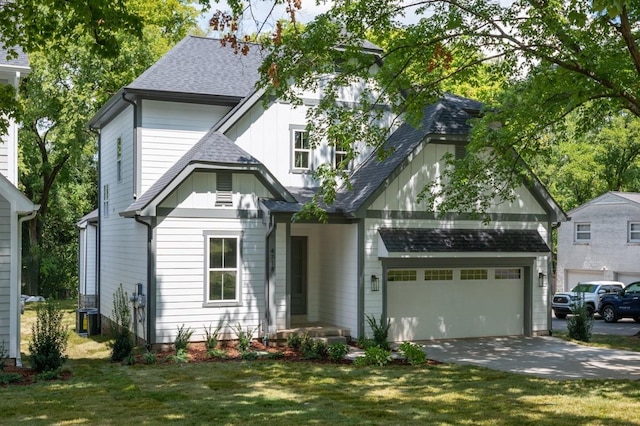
(31, 258)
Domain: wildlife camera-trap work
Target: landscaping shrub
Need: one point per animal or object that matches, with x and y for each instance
(293, 341)
(183, 338)
(380, 331)
(244, 337)
(337, 351)
(211, 337)
(365, 343)
(374, 355)
(6, 378)
(413, 353)
(122, 346)
(150, 357)
(313, 349)
(580, 324)
(49, 339)
(4, 354)
(181, 357)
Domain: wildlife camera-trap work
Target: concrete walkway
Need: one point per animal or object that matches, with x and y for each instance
(546, 357)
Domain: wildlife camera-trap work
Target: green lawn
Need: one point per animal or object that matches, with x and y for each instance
(254, 392)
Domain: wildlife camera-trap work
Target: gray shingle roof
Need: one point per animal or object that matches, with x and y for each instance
(213, 148)
(199, 65)
(449, 116)
(20, 61)
(462, 240)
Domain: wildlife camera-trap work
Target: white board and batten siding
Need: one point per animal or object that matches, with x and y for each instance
(123, 252)
(5, 270)
(180, 269)
(169, 130)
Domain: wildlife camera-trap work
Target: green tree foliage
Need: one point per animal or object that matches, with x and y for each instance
(556, 57)
(69, 81)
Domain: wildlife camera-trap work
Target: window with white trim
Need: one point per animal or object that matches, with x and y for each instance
(301, 150)
(582, 232)
(340, 156)
(223, 268)
(119, 159)
(402, 275)
(105, 200)
(634, 232)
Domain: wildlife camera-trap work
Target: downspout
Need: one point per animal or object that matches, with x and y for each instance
(21, 221)
(270, 265)
(134, 145)
(150, 305)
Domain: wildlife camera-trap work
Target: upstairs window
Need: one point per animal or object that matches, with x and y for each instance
(340, 156)
(583, 232)
(119, 159)
(301, 155)
(634, 232)
(105, 200)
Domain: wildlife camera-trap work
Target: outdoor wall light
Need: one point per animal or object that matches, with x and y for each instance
(375, 283)
(540, 279)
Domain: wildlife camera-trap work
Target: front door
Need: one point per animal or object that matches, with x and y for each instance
(298, 275)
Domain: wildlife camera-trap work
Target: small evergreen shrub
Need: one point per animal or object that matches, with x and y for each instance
(249, 355)
(211, 337)
(122, 346)
(311, 348)
(365, 343)
(150, 357)
(181, 357)
(6, 378)
(4, 355)
(374, 355)
(216, 353)
(413, 353)
(580, 324)
(337, 351)
(293, 341)
(380, 331)
(49, 339)
(183, 338)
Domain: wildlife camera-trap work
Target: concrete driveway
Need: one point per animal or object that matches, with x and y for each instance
(545, 356)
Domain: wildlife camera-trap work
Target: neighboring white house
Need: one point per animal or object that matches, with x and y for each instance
(198, 183)
(601, 242)
(15, 208)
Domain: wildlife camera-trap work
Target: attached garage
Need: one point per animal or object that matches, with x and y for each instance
(440, 303)
(578, 276)
(455, 283)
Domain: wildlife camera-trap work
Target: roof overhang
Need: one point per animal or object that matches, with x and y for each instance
(19, 201)
(435, 242)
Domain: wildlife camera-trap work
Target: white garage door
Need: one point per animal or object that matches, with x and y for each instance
(425, 304)
(628, 278)
(575, 277)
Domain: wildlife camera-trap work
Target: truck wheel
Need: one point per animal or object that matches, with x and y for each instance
(590, 310)
(609, 314)
(560, 316)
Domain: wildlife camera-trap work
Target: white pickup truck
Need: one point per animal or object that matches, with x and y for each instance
(588, 292)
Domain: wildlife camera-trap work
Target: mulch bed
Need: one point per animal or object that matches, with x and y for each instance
(197, 354)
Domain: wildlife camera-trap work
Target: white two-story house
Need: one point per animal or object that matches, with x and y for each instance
(601, 242)
(199, 179)
(15, 208)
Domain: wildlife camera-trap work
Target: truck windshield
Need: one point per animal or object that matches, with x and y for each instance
(585, 288)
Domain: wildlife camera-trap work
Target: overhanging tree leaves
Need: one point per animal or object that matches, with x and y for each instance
(559, 57)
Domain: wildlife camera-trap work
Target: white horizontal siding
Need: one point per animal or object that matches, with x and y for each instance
(180, 280)
(123, 247)
(181, 116)
(5, 268)
(4, 157)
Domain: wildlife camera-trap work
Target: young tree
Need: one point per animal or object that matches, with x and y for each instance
(559, 57)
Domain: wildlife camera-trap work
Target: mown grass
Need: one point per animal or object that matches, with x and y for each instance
(628, 343)
(252, 392)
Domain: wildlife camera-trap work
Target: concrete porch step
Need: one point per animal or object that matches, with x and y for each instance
(314, 330)
(329, 340)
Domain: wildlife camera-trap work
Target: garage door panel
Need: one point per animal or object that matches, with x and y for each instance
(424, 310)
(575, 277)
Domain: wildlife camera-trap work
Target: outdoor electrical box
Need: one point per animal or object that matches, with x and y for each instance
(138, 298)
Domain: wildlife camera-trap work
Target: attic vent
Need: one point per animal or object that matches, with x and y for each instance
(223, 189)
(461, 151)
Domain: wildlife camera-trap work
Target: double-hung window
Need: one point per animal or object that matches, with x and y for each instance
(634, 232)
(223, 265)
(340, 156)
(301, 149)
(582, 232)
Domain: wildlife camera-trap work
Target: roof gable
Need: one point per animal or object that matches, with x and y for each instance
(608, 198)
(14, 196)
(214, 149)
